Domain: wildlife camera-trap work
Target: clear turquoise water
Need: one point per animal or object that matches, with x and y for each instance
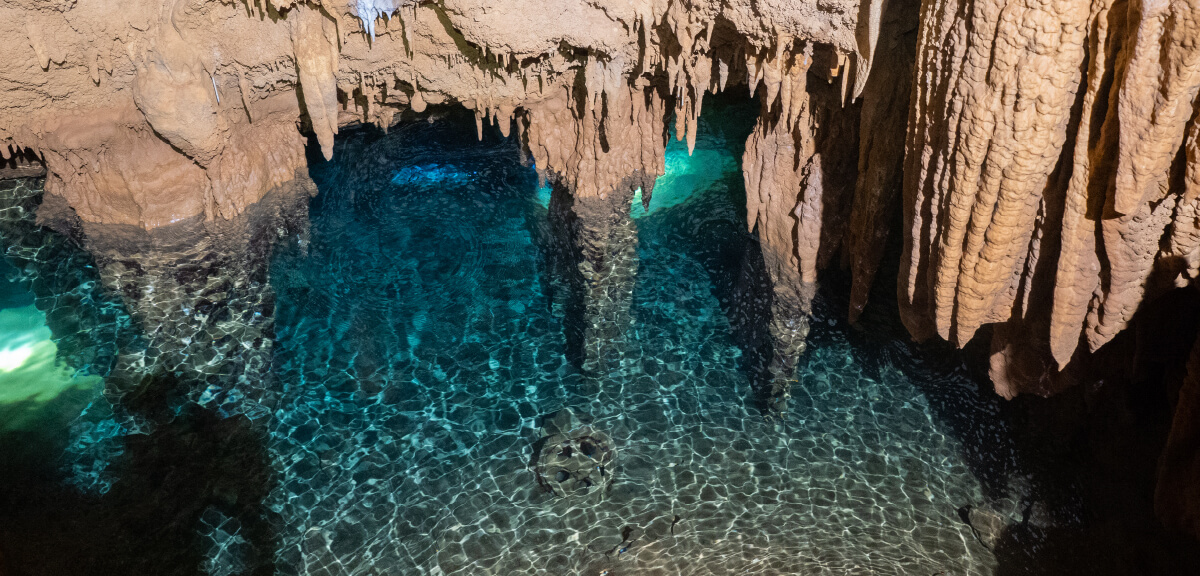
(356, 383)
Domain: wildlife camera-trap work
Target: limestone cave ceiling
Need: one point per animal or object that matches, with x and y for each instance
(1042, 158)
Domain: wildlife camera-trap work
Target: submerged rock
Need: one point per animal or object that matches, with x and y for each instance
(989, 522)
(575, 458)
(986, 524)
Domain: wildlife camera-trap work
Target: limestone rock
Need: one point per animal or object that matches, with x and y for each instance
(1177, 495)
(575, 459)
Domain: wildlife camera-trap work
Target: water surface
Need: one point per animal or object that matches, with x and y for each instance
(357, 384)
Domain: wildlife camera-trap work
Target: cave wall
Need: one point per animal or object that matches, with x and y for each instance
(1049, 176)
(1042, 159)
(211, 91)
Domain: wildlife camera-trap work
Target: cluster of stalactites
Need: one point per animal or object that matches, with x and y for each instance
(9, 150)
(690, 68)
(616, 142)
(370, 11)
(1018, 211)
(1138, 208)
(599, 139)
(677, 63)
(796, 166)
(769, 164)
(784, 74)
(625, 106)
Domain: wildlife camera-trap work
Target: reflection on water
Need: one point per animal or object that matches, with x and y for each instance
(59, 330)
(29, 366)
(365, 383)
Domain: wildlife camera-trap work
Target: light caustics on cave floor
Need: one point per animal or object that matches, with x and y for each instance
(424, 317)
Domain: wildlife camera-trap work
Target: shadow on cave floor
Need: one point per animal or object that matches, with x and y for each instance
(561, 281)
(729, 254)
(742, 286)
(194, 468)
(1079, 466)
(185, 477)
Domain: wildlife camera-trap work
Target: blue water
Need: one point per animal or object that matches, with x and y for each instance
(358, 384)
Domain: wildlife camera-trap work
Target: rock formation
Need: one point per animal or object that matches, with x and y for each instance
(574, 459)
(1042, 159)
(603, 247)
(197, 290)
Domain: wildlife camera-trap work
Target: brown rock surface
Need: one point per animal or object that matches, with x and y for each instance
(198, 70)
(881, 149)
(995, 87)
(1047, 176)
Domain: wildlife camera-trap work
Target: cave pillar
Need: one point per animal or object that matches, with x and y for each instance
(799, 169)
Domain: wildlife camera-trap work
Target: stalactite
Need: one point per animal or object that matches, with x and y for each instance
(870, 18)
(316, 51)
(970, 205)
(881, 152)
(798, 162)
(1078, 275)
(595, 153)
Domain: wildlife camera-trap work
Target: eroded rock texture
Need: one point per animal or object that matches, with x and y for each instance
(207, 94)
(1049, 183)
(153, 112)
(799, 165)
(1042, 158)
(1047, 175)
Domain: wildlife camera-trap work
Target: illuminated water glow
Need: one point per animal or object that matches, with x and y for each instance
(29, 367)
(430, 174)
(13, 358)
(685, 175)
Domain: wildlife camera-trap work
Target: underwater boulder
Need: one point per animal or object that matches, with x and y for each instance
(575, 458)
